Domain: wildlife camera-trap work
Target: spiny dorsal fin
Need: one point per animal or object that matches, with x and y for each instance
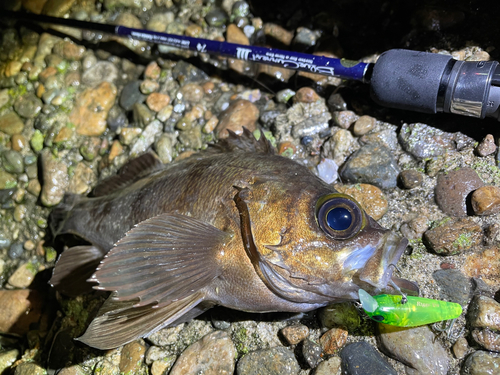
(131, 172)
(246, 142)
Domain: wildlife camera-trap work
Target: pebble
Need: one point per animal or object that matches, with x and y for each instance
(165, 113)
(340, 146)
(274, 361)
(7, 358)
(453, 188)
(482, 363)
(157, 101)
(415, 347)
(460, 348)
(28, 106)
(484, 312)
(192, 92)
(82, 180)
(142, 115)
(295, 333)
(342, 314)
(132, 357)
(15, 250)
(488, 339)
(487, 146)
(153, 71)
(311, 126)
(23, 275)
(373, 165)
(453, 286)
(329, 367)
(311, 352)
(387, 138)
(130, 95)
(235, 35)
(214, 354)
(159, 21)
(486, 200)
(11, 123)
(55, 179)
(216, 17)
(344, 119)
(241, 113)
(164, 147)
(146, 139)
(333, 339)
(72, 370)
(484, 265)
(69, 50)
(327, 170)
(12, 161)
(116, 118)
(29, 368)
(20, 308)
(102, 71)
(186, 73)
(370, 197)
(360, 358)
(363, 125)
(240, 9)
(283, 96)
(279, 33)
(306, 95)
(411, 178)
(162, 366)
(91, 109)
(454, 236)
(19, 142)
(149, 86)
(7, 180)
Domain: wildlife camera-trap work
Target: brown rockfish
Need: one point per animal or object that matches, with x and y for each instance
(235, 225)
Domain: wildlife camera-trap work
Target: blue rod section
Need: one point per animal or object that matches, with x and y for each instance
(342, 68)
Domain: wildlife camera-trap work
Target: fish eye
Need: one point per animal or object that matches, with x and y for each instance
(339, 216)
(378, 318)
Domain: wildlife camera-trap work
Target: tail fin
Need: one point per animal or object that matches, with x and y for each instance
(60, 214)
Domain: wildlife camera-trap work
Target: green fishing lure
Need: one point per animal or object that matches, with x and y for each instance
(417, 311)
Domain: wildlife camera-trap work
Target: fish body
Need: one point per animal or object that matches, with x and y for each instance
(236, 226)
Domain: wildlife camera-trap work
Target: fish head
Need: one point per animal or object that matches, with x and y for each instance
(316, 245)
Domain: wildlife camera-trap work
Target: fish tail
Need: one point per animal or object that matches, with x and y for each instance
(60, 214)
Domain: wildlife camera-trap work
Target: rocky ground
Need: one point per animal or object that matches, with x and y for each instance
(76, 105)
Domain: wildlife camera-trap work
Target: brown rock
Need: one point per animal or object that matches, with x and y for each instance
(333, 340)
(344, 119)
(57, 8)
(453, 237)
(91, 109)
(156, 101)
(192, 92)
(487, 146)
(241, 113)
(116, 149)
(235, 35)
(11, 124)
(370, 197)
(484, 312)
(305, 95)
(46, 73)
(20, 308)
(152, 71)
(193, 31)
(486, 200)
(19, 142)
(64, 134)
(295, 333)
(23, 276)
(277, 32)
(487, 338)
(484, 265)
(12, 68)
(414, 229)
(69, 50)
(410, 178)
(363, 125)
(82, 179)
(132, 357)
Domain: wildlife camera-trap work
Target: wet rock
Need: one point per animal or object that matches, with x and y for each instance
(7, 180)
(23, 276)
(127, 135)
(344, 119)
(487, 146)
(213, 354)
(82, 180)
(486, 200)
(11, 124)
(363, 125)
(28, 106)
(311, 126)
(340, 315)
(453, 285)
(340, 146)
(165, 147)
(372, 165)
(12, 161)
(275, 361)
(20, 308)
(241, 113)
(333, 339)
(305, 95)
(19, 142)
(15, 250)
(91, 109)
(142, 115)
(488, 339)
(410, 178)
(102, 71)
(370, 197)
(484, 265)
(148, 86)
(453, 188)
(216, 17)
(361, 358)
(72, 370)
(55, 179)
(484, 312)
(132, 357)
(69, 50)
(311, 353)
(130, 95)
(279, 33)
(454, 236)
(327, 170)
(7, 358)
(186, 73)
(283, 96)
(29, 368)
(192, 92)
(329, 367)
(460, 348)
(295, 333)
(336, 102)
(156, 101)
(415, 347)
(481, 363)
(423, 141)
(146, 139)
(116, 118)
(159, 21)
(162, 366)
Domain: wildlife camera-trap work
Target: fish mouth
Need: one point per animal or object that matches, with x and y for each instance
(375, 265)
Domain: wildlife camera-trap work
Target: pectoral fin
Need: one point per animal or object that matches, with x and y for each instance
(163, 259)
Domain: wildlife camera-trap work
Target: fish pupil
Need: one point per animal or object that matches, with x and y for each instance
(339, 218)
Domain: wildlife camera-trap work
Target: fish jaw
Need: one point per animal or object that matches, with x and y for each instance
(373, 263)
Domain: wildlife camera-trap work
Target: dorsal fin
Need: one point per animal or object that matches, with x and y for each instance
(246, 142)
(131, 172)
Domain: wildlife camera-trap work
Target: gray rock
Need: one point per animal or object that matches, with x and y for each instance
(146, 139)
(101, 71)
(130, 95)
(372, 164)
(55, 179)
(186, 73)
(116, 118)
(142, 114)
(216, 17)
(311, 126)
(360, 358)
(487, 338)
(481, 363)
(164, 147)
(410, 178)
(28, 106)
(275, 361)
(415, 347)
(13, 161)
(453, 285)
(484, 312)
(387, 138)
(16, 250)
(329, 367)
(312, 353)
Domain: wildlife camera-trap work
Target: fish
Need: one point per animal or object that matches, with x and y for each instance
(235, 225)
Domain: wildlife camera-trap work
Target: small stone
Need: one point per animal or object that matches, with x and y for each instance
(279, 33)
(55, 178)
(212, 355)
(278, 73)
(152, 71)
(127, 135)
(235, 35)
(305, 95)
(69, 50)
(370, 197)
(411, 178)
(23, 275)
(116, 150)
(34, 187)
(192, 92)
(12, 68)
(274, 361)
(295, 333)
(11, 124)
(165, 113)
(311, 352)
(488, 339)
(486, 200)
(165, 147)
(360, 358)
(185, 73)
(82, 180)
(415, 228)
(20, 308)
(329, 367)
(7, 180)
(132, 357)
(327, 170)
(241, 113)
(484, 265)
(460, 348)
(453, 188)
(142, 115)
(28, 106)
(36, 141)
(148, 86)
(13, 161)
(19, 142)
(344, 119)
(7, 358)
(157, 101)
(333, 340)
(487, 146)
(162, 366)
(284, 95)
(363, 125)
(484, 312)
(216, 17)
(342, 314)
(91, 109)
(340, 146)
(102, 71)
(131, 95)
(453, 285)
(454, 236)
(387, 138)
(15, 250)
(116, 118)
(20, 213)
(72, 370)
(146, 139)
(29, 368)
(159, 21)
(482, 363)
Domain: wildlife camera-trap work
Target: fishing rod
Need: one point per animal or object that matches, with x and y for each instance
(402, 79)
